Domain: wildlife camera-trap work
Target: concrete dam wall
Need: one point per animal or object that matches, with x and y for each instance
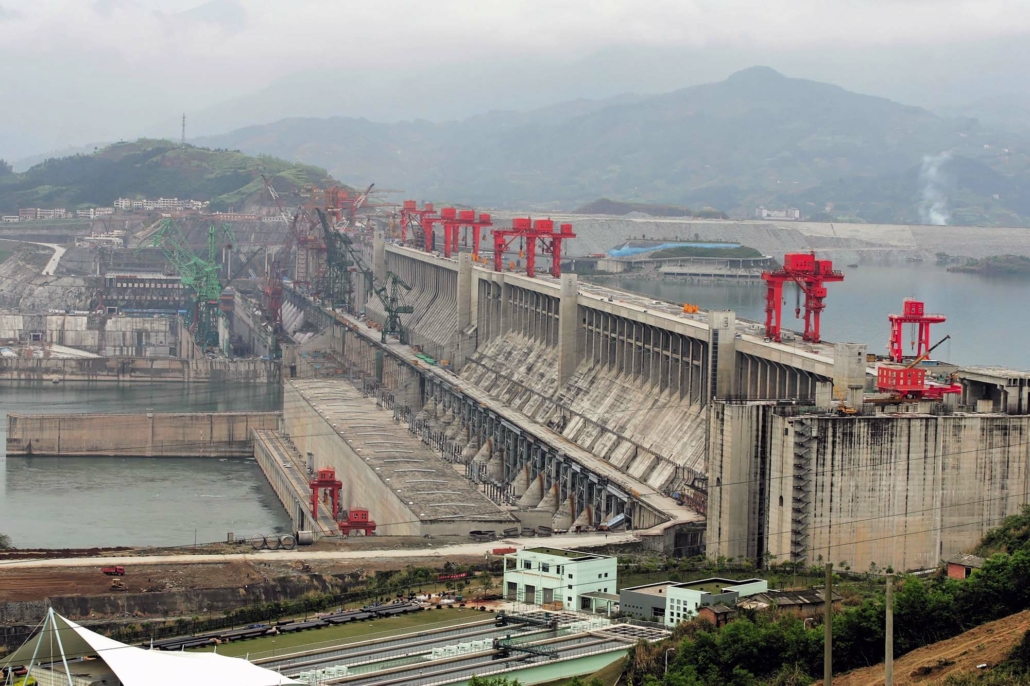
(899, 490)
(200, 434)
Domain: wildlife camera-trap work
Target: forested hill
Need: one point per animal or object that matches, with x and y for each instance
(151, 169)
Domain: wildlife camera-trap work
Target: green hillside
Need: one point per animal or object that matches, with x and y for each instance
(153, 168)
(757, 138)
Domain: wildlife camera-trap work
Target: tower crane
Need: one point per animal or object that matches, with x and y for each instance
(200, 275)
(341, 253)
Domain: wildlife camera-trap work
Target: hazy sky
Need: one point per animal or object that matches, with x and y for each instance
(78, 71)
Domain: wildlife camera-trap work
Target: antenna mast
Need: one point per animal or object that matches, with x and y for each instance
(183, 143)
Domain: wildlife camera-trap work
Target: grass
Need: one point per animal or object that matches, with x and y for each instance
(7, 249)
(350, 633)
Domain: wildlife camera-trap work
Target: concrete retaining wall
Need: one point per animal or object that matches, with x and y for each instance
(201, 434)
(361, 487)
(125, 369)
(108, 336)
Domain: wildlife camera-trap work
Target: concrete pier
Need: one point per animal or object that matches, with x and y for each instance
(193, 434)
(288, 476)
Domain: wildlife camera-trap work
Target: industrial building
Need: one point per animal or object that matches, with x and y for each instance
(674, 602)
(559, 579)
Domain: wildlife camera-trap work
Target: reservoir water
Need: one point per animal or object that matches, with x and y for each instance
(50, 502)
(987, 317)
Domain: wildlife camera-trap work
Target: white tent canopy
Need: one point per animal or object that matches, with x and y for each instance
(62, 640)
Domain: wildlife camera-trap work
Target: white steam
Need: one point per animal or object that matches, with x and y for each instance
(933, 208)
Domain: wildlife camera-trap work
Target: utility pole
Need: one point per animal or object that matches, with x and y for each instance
(888, 660)
(828, 627)
(183, 143)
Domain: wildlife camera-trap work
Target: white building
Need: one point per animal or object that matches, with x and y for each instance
(545, 576)
(671, 602)
(114, 239)
(10, 219)
(163, 204)
(791, 214)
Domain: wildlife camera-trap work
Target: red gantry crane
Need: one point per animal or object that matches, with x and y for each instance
(810, 275)
(912, 312)
(531, 231)
(454, 220)
(413, 219)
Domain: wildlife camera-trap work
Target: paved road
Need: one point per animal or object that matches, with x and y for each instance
(51, 266)
(570, 541)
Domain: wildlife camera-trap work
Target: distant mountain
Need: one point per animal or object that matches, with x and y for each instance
(153, 168)
(1010, 111)
(758, 137)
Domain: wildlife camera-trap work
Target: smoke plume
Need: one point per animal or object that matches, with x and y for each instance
(933, 208)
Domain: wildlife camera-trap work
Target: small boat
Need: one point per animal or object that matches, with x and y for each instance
(56, 380)
(853, 266)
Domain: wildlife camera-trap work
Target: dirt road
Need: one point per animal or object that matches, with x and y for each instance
(446, 552)
(987, 644)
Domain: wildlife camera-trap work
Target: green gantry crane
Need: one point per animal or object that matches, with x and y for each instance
(200, 275)
(340, 257)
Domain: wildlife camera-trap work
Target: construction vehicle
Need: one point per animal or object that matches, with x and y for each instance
(113, 571)
(118, 585)
(843, 409)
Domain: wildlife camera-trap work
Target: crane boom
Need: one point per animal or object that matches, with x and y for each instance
(925, 355)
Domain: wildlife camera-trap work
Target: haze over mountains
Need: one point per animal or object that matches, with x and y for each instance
(755, 138)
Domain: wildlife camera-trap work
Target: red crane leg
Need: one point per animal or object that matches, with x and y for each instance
(498, 252)
(531, 256)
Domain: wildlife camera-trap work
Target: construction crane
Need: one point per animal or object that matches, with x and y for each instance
(336, 200)
(809, 274)
(200, 275)
(909, 382)
(912, 312)
(338, 245)
(531, 231)
(926, 354)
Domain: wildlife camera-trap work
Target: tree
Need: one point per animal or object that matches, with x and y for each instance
(493, 681)
(5, 540)
(5, 167)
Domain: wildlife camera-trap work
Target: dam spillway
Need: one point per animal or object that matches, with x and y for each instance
(676, 413)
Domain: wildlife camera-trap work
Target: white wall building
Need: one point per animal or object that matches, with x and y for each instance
(544, 575)
(671, 602)
(10, 219)
(792, 214)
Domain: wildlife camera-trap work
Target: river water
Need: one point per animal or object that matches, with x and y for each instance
(51, 502)
(986, 316)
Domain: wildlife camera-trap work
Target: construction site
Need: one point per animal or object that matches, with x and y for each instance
(452, 391)
(444, 375)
